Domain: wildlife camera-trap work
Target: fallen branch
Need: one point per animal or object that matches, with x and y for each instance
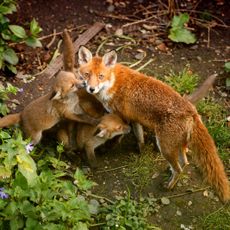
(112, 169)
(147, 63)
(56, 65)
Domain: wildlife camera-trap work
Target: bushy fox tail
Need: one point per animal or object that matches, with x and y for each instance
(9, 120)
(199, 93)
(68, 52)
(208, 159)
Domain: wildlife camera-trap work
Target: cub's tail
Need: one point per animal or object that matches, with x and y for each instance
(9, 120)
(208, 160)
(68, 52)
(202, 91)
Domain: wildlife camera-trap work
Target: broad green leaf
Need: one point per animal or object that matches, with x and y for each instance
(4, 135)
(182, 35)
(227, 66)
(33, 42)
(18, 31)
(10, 56)
(12, 68)
(81, 181)
(27, 167)
(16, 222)
(180, 20)
(4, 173)
(34, 27)
(32, 224)
(5, 10)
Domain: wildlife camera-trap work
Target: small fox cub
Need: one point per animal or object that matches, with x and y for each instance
(90, 137)
(46, 111)
(152, 103)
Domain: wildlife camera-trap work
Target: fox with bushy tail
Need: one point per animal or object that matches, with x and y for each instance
(152, 103)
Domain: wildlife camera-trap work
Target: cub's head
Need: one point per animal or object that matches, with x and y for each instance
(65, 84)
(96, 71)
(110, 126)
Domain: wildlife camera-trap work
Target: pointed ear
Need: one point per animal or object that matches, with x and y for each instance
(110, 59)
(102, 133)
(55, 95)
(119, 127)
(84, 55)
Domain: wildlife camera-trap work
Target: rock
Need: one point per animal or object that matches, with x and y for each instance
(119, 32)
(178, 213)
(111, 8)
(165, 201)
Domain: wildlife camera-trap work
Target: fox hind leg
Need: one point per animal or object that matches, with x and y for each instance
(171, 155)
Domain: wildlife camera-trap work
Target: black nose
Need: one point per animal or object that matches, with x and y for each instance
(91, 89)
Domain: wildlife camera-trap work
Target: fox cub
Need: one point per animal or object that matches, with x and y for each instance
(151, 103)
(89, 137)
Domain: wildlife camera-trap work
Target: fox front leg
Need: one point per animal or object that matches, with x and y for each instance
(83, 118)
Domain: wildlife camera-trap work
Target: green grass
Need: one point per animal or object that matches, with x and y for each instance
(184, 82)
(214, 117)
(218, 220)
(142, 167)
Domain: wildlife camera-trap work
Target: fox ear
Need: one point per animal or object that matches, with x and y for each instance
(55, 95)
(110, 59)
(84, 55)
(102, 133)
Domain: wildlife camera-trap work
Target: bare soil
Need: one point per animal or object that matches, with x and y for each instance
(185, 207)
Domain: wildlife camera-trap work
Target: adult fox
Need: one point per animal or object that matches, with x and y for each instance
(150, 102)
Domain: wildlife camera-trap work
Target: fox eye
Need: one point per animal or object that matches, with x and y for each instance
(86, 74)
(100, 76)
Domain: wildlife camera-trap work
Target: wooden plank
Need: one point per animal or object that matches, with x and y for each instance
(83, 39)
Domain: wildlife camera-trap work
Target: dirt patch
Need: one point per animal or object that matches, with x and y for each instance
(115, 175)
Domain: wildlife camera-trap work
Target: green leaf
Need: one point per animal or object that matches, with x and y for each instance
(81, 181)
(4, 135)
(4, 172)
(33, 42)
(12, 68)
(34, 27)
(182, 35)
(10, 56)
(178, 32)
(227, 66)
(32, 224)
(18, 31)
(80, 226)
(27, 167)
(180, 20)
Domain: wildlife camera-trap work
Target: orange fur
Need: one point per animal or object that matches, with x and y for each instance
(152, 103)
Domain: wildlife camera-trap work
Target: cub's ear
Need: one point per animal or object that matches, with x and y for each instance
(100, 131)
(84, 55)
(110, 59)
(55, 95)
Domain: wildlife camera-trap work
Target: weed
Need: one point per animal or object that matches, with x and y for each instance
(14, 33)
(141, 168)
(178, 31)
(128, 214)
(184, 82)
(4, 91)
(218, 220)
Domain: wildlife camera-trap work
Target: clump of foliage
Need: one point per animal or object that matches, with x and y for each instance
(141, 168)
(184, 82)
(178, 31)
(14, 33)
(218, 220)
(214, 117)
(4, 92)
(128, 214)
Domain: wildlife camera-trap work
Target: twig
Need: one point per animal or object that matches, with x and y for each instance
(52, 40)
(147, 63)
(99, 197)
(186, 193)
(136, 63)
(208, 43)
(101, 45)
(138, 21)
(112, 169)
